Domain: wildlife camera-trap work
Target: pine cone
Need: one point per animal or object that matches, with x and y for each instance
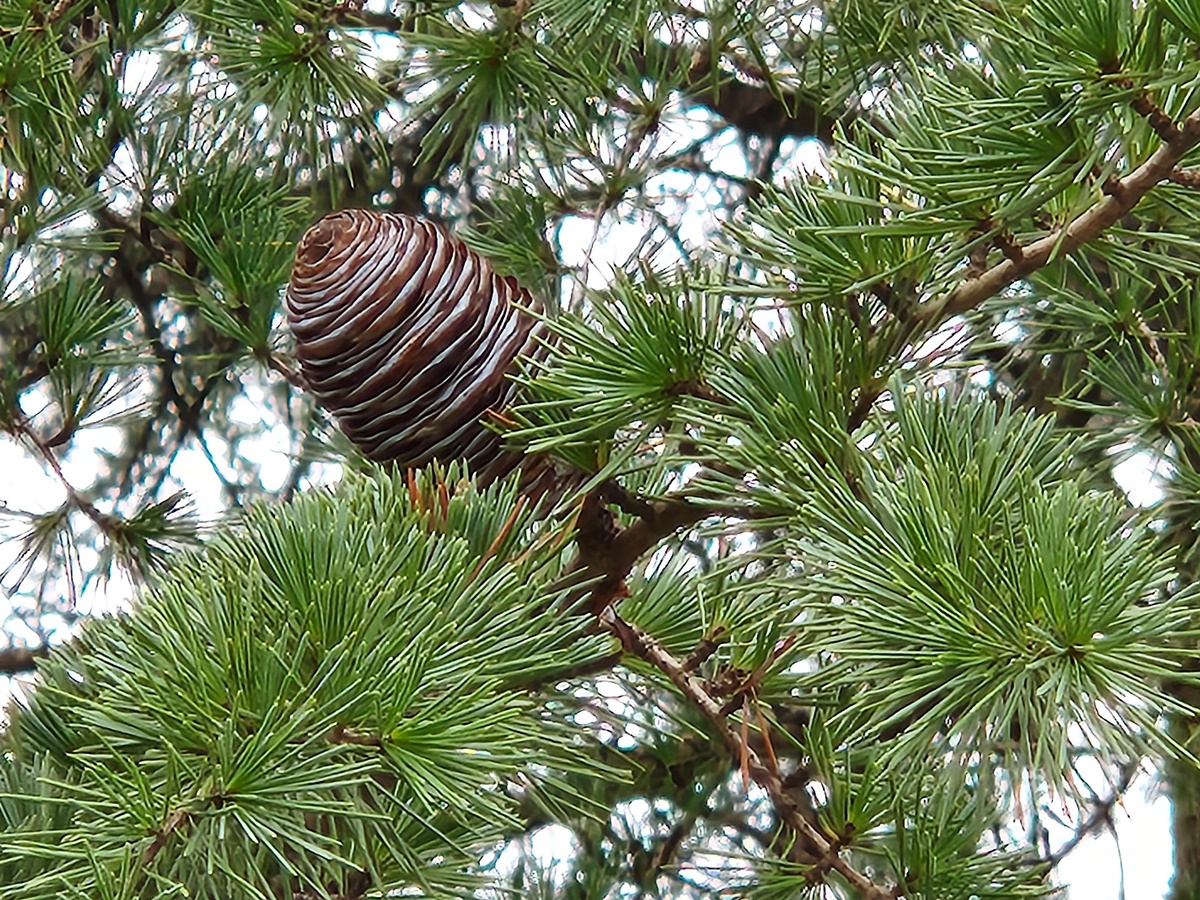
(406, 335)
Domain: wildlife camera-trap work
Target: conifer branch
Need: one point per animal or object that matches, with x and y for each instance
(1022, 260)
(584, 669)
(607, 552)
(358, 885)
(340, 734)
(1085, 227)
(1185, 177)
(78, 500)
(16, 660)
(277, 364)
(826, 851)
(1099, 819)
(175, 820)
(1143, 103)
(757, 106)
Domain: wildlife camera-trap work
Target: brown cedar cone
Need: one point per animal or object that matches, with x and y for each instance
(407, 336)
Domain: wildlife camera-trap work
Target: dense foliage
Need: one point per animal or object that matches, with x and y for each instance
(856, 310)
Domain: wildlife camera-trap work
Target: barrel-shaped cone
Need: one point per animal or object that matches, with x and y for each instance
(406, 335)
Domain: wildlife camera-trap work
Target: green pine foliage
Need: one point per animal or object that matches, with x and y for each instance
(347, 698)
(1000, 603)
(844, 591)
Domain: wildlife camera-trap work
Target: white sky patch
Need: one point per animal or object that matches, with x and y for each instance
(724, 154)
(616, 240)
(475, 19)
(270, 448)
(1008, 331)
(944, 343)
(1140, 476)
(678, 130)
(675, 26)
(1137, 855)
(550, 848)
(140, 72)
(27, 484)
(20, 271)
(87, 445)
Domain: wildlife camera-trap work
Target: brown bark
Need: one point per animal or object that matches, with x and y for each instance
(1182, 779)
(16, 660)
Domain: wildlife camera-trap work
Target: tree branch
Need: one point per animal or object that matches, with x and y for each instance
(1126, 194)
(25, 428)
(16, 660)
(1189, 177)
(1100, 817)
(827, 854)
(607, 552)
(584, 669)
(276, 363)
(754, 107)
